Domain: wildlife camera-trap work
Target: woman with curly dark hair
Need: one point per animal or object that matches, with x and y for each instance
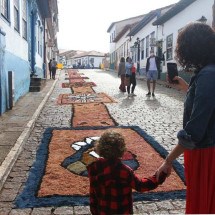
(196, 49)
(111, 181)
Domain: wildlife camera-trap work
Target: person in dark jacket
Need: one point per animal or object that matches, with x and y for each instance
(54, 68)
(111, 181)
(195, 49)
(152, 69)
(50, 68)
(121, 74)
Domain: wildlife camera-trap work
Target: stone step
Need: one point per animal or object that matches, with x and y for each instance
(35, 88)
(37, 84)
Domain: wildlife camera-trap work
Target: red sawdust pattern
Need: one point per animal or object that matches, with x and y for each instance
(60, 181)
(76, 77)
(78, 84)
(72, 71)
(65, 99)
(83, 90)
(77, 80)
(94, 114)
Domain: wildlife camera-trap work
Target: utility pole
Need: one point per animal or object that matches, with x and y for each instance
(137, 45)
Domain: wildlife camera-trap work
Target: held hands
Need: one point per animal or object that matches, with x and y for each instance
(164, 169)
(161, 178)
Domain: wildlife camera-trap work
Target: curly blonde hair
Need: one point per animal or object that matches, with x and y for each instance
(111, 145)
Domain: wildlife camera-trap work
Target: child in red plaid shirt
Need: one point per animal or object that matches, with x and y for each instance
(111, 181)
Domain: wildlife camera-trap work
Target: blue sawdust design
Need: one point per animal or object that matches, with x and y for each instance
(78, 156)
(28, 198)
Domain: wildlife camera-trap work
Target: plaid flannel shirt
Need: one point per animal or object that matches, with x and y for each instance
(111, 184)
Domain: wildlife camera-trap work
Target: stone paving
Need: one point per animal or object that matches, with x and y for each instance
(160, 117)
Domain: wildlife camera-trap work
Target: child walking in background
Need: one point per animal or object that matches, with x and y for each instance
(111, 181)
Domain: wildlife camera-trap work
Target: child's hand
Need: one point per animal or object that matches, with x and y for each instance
(162, 177)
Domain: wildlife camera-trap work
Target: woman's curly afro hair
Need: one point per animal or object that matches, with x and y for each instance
(196, 46)
(111, 145)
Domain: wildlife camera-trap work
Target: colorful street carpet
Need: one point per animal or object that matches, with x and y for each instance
(76, 77)
(78, 84)
(78, 90)
(65, 99)
(95, 114)
(59, 176)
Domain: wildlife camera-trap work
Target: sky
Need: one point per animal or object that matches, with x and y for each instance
(83, 24)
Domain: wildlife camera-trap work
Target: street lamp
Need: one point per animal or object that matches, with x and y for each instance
(203, 19)
(137, 45)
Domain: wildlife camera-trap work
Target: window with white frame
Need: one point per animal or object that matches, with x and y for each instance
(153, 34)
(92, 60)
(152, 40)
(147, 46)
(169, 47)
(142, 48)
(16, 15)
(39, 38)
(5, 9)
(24, 19)
(41, 41)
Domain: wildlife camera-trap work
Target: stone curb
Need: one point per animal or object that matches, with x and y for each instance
(12, 156)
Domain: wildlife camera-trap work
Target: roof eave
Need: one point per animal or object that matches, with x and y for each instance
(180, 6)
(142, 23)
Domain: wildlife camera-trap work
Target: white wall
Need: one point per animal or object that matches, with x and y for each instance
(15, 43)
(190, 14)
(112, 44)
(122, 45)
(142, 34)
(97, 60)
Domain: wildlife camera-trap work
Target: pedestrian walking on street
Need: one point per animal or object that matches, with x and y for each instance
(50, 68)
(111, 181)
(54, 68)
(133, 79)
(195, 49)
(121, 74)
(128, 66)
(152, 69)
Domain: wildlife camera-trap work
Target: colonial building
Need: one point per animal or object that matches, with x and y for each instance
(173, 21)
(158, 30)
(83, 59)
(91, 59)
(24, 33)
(66, 57)
(122, 46)
(143, 37)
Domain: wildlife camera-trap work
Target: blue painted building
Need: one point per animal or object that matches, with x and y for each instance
(22, 46)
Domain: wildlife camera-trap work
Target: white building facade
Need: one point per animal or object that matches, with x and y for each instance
(158, 30)
(171, 23)
(114, 30)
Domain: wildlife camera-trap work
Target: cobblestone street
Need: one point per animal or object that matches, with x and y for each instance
(160, 117)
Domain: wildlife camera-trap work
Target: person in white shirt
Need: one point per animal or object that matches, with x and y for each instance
(152, 68)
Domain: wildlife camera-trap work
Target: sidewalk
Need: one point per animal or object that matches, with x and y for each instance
(16, 126)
